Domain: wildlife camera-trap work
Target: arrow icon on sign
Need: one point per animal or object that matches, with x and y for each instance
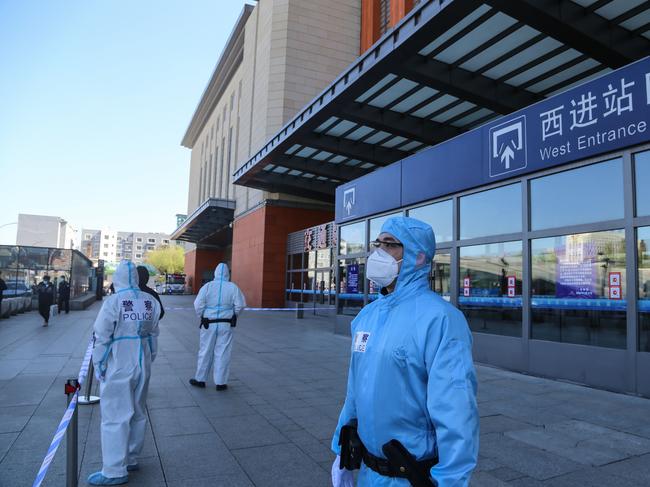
(507, 155)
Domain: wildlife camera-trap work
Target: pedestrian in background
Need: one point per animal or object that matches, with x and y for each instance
(143, 279)
(126, 343)
(64, 295)
(45, 291)
(3, 286)
(218, 304)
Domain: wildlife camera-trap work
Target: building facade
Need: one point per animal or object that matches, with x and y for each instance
(46, 231)
(280, 55)
(112, 246)
(519, 130)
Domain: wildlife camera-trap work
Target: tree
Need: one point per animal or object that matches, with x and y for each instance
(168, 260)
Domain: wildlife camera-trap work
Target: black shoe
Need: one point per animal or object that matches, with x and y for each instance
(197, 383)
(222, 387)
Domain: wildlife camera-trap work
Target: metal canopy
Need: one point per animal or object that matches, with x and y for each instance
(209, 224)
(448, 67)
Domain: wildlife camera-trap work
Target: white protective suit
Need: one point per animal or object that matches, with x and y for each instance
(126, 331)
(219, 298)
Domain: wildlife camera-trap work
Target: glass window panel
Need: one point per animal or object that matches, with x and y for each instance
(324, 258)
(578, 289)
(439, 216)
(296, 261)
(493, 212)
(81, 280)
(353, 238)
(60, 259)
(440, 278)
(490, 287)
(644, 288)
(294, 286)
(376, 224)
(352, 278)
(642, 176)
(584, 195)
(33, 257)
(392, 93)
(8, 256)
(312, 260)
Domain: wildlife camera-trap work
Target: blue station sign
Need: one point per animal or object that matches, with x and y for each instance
(597, 117)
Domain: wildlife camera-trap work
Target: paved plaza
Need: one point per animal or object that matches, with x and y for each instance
(274, 424)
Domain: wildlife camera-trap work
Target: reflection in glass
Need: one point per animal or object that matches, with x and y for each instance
(490, 287)
(440, 277)
(376, 224)
(353, 238)
(8, 256)
(294, 286)
(33, 257)
(81, 280)
(642, 178)
(584, 195)
(351, 285)
(493, 212)
(578, 289)
(439, 216)
(311, 264)
(643, 243)
(324, 258)
(296, 261)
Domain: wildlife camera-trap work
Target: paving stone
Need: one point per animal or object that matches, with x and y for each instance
(526, 459)
(15, 418)
(500, 423)
(593, 478)
(506, 474)
(6, 440)
(195, 457)
(285, 465)
(583, 442)
(179, 421)
(239, 480)
(486, 479)
(636, 469)
(247, 431)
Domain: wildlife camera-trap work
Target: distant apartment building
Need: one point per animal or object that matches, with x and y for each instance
(46, 231)
(112, 246)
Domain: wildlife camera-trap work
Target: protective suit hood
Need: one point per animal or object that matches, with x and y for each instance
(143, 275)
(126, 276)
(419, 248)
(221, 273)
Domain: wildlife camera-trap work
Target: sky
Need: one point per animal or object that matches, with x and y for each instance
(95, 97)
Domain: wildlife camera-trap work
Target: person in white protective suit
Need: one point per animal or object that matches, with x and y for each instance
(126, 334)
(411, 376)
(218, 303)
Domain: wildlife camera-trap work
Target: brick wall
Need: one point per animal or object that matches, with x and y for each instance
(199, 261)
(259, 250)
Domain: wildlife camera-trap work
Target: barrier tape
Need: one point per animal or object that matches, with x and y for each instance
(65, 421)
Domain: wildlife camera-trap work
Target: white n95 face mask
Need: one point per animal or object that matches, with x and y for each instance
(382, 267)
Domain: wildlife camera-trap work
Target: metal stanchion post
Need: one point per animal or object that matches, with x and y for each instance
(87, 398)
(299, 310)
(71, 474)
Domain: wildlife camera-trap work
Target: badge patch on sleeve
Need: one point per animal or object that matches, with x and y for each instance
(360, 341)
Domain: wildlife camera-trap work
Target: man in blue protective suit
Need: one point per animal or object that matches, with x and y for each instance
(218, 304)
(126, 339)
(411, 376)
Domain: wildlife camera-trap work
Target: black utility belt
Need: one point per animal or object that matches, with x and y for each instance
(384, 467)
(399, 462)
(205, 322)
